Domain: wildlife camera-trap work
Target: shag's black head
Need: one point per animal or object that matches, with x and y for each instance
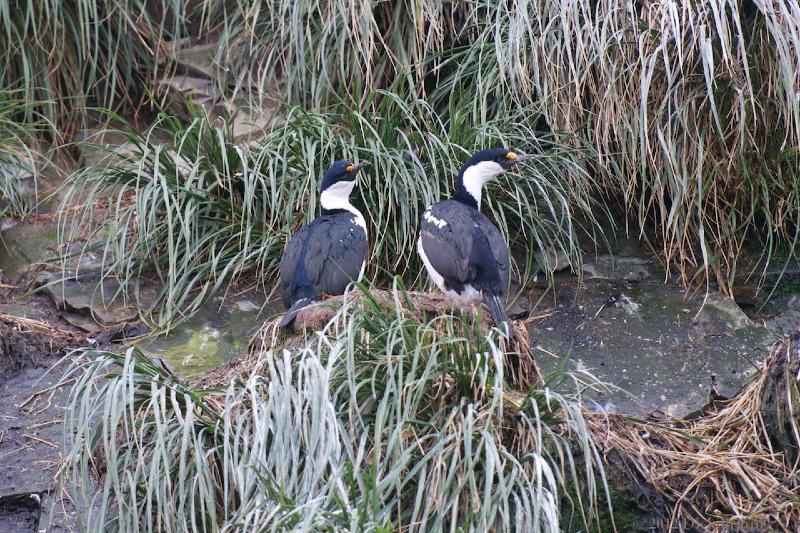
(341, 171)
(480, 169)
(504, 157)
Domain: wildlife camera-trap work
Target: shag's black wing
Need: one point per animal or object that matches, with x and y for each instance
(290, 261)
(336, 253)
(465, 247)
(323, 257)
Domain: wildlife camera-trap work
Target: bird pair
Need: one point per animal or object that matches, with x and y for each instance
(464, 253)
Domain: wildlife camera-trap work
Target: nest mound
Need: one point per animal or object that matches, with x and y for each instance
(420, 307)
(733, 467)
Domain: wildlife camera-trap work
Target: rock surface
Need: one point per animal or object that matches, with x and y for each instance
(622, 268)
(99, 300)
(551, 261)
(31, 422)
(662, 346)
(24, 245)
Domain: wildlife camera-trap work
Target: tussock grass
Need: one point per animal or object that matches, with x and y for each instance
(382, 420)
(201, 210)
(319, 53)
(679, 107)
(693, 108)
(66, 56)
(697, 107)
(521, 369)
(17, 158)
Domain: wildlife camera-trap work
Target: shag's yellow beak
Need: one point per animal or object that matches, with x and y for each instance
(514, 158)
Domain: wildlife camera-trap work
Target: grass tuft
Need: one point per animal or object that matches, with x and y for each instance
(18, 171)
(693, 110)
(383, 420)
(200, 210)
(67, 56)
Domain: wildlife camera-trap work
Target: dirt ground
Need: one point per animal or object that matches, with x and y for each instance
(33, 339)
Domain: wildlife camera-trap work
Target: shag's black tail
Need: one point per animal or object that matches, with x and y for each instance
(291, 314)
(498, 312)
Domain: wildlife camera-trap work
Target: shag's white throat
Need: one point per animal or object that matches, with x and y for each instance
(337, 196)
(478, 175)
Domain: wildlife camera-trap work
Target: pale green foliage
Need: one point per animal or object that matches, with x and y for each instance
(202, 210)
(16, 157)
(384, 420)
(66, 56)
(693, 108)
(696, 107)
(679, 109)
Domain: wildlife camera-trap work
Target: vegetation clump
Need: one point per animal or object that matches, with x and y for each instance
(389, 408)
(202, 209)
(691, 111)
(381, 420)
(670, 115)
(67, 57)
(18, 173)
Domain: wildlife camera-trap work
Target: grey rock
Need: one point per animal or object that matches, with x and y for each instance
(720, 313)
(96, 300)
(643, 338)
(184, 91)
(251, 125)
(23, 245)
(621, 268)
(195, 59)
(83, 322)
(787, 321)
(551, 261)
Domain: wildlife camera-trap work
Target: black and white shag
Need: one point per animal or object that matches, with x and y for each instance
(463, 252)
(326, 255)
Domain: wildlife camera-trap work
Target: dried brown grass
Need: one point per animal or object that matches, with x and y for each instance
(734, 467)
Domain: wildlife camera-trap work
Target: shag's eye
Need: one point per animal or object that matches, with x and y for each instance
(350, 168)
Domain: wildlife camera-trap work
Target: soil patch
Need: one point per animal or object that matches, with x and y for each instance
(26, 343)
(20, 512)
(31, 417)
